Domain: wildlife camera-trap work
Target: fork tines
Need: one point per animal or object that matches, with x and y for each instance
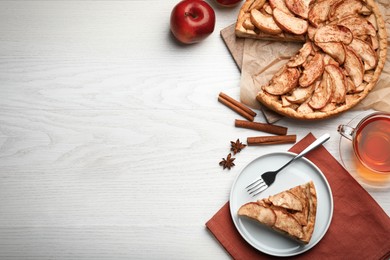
(256, 187)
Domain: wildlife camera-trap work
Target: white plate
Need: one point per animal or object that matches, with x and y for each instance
(301, 171)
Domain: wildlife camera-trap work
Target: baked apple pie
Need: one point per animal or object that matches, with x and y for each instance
(291, 212)
(343, 53)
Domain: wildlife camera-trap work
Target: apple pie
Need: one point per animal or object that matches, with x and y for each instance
(343, 53)
(291, 212)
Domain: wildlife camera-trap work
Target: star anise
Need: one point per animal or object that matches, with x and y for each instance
(228, 162)
(237, 146)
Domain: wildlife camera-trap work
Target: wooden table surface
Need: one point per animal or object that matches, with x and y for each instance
(111, 133)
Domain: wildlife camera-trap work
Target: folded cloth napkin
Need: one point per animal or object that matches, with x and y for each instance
(360, 229)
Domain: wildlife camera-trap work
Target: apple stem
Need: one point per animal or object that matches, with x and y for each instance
(190, 14)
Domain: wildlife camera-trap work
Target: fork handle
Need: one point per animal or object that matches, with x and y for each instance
(312, 146)
(316, 143)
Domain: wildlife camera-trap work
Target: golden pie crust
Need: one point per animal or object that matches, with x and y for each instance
(291, 212)
(344, 52)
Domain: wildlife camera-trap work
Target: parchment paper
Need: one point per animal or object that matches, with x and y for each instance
(261, 59)
(235, 46)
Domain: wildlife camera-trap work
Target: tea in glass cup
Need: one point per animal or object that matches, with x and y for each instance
(371, 141)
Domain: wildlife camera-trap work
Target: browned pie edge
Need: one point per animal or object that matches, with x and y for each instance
(277, 107)
(308, 230)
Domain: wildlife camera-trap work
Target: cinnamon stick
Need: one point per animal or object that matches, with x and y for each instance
(238, 104)
(268, 128)
(236, 108)
(279, 139)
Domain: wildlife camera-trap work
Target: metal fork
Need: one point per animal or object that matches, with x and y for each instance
(267, 178)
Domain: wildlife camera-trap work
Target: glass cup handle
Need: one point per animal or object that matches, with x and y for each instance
(346, 131)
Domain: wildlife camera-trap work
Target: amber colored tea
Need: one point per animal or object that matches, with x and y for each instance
(372, 143)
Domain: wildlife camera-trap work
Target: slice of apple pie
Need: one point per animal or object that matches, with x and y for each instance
(291, 212)
(343, 54)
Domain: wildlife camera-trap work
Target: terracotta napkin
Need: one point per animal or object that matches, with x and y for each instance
(360, 229)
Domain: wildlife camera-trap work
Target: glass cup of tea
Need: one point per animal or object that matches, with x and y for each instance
(371, 141)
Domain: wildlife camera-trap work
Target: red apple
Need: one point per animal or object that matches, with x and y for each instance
(228, 3)
(192, 21)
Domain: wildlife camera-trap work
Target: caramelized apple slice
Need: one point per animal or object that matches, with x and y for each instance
(304, 108)
(351, 88)
(333, 33)
(261, 213)
(283, 81)
(312, 71)
(267, 9)
(354, 67)
(329, 60)
(339, 83)
(286, 103)
(281, 5)
(300, 95)
(315, 49)
(257, 4)
(365, 52)
(284, 221)
(365, 11)
(329, 107)
(322, 93)
(372, 20)
(311, 31)
(335, 49)
(351, 99)
(358, 25)
(361, 87)
(318, 13)
(299, 7)
(374, 42)
(273, 98)
(302, 55)
(368, 76)
(287, 200)
(265, 23)
(247, 24)
(344, 8)
(290, 23)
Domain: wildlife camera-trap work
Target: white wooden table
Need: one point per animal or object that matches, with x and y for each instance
(111, 133)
